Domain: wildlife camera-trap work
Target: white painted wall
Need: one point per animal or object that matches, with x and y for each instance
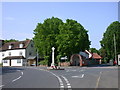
(15, 52)
(14, 62)
(7, 64)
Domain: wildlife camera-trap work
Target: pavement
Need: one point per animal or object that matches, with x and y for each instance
(71, 78)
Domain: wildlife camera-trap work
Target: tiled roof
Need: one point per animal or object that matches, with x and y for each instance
(15, 45)
(96, 56)
(13, 57)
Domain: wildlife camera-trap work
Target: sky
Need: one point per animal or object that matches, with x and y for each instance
(19, 19)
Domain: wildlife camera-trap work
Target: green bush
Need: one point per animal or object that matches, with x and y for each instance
(44, 62)
(0, 64)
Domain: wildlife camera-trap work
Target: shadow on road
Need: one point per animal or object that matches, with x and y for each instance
(10, 70)
(102, 65)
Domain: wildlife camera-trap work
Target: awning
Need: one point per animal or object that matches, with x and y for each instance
(31, 57)
(13, 57)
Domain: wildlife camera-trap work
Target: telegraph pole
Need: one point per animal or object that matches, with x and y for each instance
(115, 48)
(37, 59)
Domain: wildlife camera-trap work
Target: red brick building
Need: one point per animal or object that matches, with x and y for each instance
(85, 58)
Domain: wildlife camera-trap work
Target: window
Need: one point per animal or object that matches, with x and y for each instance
(119, 59)
(31, 45)
(9, 53)
(4, 61)
(18, 61)
(30, 53)
(21, 45)
(3, 54)
(20, 53)
(11, 46)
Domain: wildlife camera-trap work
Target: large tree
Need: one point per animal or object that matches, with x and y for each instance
(67, 38)
(94, 50)
(72, 38)
(107, 43)
(45, 36)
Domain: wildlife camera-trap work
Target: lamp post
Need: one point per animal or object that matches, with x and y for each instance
(53, 62)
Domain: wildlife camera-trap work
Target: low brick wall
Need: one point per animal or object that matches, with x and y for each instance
(64, 63)
(43, 65)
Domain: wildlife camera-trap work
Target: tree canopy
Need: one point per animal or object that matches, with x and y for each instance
(11, 40)
(107, 43)
(67, 38)
(94, 50)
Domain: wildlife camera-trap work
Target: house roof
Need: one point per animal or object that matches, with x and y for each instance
(13, 57)
(31, 57)
(96, 56)
(15, 45)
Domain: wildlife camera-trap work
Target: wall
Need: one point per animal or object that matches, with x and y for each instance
(14, 62)
(13, 53)
(7, 64)
(31, 50)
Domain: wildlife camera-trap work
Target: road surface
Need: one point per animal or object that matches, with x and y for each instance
(71, 77)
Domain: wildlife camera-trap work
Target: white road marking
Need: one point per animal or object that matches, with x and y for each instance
(69, 86)
(61, 86)
(2, 85)
(67, 82)
(80, 76)
(16, 79)
(22, 73)
(59, 79)
(71, 70)
(18, 70)
(98, 80)
(81, 70)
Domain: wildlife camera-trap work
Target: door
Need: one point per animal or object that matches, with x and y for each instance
(10, 62)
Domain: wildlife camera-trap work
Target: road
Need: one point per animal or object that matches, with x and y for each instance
(71, 77)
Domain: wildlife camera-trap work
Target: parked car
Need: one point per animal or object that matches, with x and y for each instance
(32, 65)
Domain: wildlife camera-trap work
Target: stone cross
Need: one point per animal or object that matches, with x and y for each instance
(53, 62)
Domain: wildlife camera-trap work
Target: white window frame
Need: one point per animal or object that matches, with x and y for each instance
(9, 53)
(5, 61)
(18, 60)
(21, 45)
(21, 53)
(3, 54)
